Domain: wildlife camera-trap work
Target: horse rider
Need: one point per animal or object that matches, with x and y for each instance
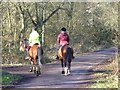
(63, 39)
(34, 39)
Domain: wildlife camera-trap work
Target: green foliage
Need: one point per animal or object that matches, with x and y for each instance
(14, 56)
(8, 79)
(108, 82)
(109, 78)
(91, 25)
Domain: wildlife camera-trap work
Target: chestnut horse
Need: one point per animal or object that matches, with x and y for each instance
(35, 56)
(65, 54)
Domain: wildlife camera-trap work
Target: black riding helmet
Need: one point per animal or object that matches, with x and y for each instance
(63, 29)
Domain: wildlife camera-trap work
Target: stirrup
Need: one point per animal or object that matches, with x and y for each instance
(73, 57)
(30, 70)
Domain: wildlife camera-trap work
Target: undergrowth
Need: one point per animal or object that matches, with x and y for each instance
(109, 78)
(7, 79)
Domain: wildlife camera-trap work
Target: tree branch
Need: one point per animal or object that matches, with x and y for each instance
(51, 15)
(31, 17)
(36, 11)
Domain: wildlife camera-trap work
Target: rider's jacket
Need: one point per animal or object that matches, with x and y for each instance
(34, 38)
(63, 38)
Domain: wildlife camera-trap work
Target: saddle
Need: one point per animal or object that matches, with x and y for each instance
(28, 48)
(61, 51)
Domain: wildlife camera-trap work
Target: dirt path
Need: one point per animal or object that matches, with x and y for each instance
(51, 73)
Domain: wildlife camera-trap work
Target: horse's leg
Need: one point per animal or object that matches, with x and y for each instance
(36, 66)
(69, 67)
(31, 67)
(33, 64)
(37, 70)
(66, 68)
(62, 66)
(39, 56)
(69, 59)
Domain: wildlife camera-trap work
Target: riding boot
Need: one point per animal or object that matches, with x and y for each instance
(73, 57)
(57, 57)
(27, 56)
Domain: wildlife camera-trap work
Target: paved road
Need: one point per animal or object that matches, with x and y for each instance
(51, 73)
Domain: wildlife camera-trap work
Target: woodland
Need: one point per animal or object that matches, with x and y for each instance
(91, 26)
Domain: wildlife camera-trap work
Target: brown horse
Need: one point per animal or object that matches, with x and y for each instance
(35, 56)
(65, 54)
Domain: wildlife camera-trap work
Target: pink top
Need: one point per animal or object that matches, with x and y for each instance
(63, 38)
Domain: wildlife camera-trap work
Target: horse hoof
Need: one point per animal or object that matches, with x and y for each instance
(66, 74)
(69, 73)
(38, 73)
(30, 71)
(63, 72)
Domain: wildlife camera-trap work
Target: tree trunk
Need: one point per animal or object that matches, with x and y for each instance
(23, 26)
(70, 15)
(9, 26)
(43, 26)
(22, 21)
(15, 34)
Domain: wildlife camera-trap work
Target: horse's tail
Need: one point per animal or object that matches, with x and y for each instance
(69, 54)
(39, 56)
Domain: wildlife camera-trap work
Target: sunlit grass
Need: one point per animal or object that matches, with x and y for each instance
(100, 74)
(108, 79)
(7, 79)
(10, 65)
(108, 82)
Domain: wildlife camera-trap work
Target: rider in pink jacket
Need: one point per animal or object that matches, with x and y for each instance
(63, 39)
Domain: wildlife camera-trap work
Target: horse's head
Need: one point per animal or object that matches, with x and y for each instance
(23, 44)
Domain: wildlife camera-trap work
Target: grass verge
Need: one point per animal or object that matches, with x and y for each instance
(106, 76)
(7, 79)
